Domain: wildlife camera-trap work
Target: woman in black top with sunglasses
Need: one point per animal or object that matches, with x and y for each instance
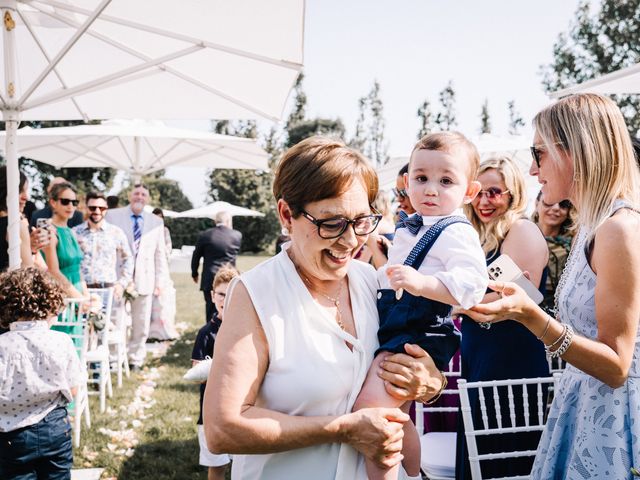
(63, 254)
(505, 350)
(555, 221)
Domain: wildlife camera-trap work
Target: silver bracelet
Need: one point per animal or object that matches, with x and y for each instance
(558, 340)
(546, 328)
(564, 346)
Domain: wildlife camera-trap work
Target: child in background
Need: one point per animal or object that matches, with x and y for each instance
(436, 261)
(40, 372)
(202, 349)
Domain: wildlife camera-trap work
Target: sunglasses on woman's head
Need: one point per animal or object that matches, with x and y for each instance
(401, 193)
(566, 204)
(492, 193)
(67, 201)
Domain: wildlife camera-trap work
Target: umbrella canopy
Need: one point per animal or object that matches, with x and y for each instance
(95, 59)
(138, 147)
(211, 210)
(166, 212)
(623, 81)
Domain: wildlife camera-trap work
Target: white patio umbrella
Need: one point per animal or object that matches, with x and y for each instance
(211, 210)
(623, 81)
(166, 212)
(138, 147)
(96, 59)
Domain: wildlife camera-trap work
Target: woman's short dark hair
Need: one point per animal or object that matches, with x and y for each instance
(3, 187)
(158, 211)
(319, 168)
(29, 294)
(58, 188)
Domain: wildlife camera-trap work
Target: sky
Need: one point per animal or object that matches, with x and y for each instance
(489, 49)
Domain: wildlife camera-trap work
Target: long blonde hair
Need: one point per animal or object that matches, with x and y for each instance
(493, 233)
(591, 129)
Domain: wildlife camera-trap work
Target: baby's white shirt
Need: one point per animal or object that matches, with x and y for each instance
(456, 259)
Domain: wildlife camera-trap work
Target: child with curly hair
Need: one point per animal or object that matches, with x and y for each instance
(40, 373)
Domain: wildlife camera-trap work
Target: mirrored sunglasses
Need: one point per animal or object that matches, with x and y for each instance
(492, 193)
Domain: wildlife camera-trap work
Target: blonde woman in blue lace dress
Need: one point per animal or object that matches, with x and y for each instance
(582, 152)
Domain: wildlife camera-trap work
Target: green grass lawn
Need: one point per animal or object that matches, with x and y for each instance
(150, 423)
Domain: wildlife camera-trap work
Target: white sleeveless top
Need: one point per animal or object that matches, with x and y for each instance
(312, 372)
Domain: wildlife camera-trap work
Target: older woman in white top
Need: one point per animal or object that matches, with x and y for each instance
(300, 333)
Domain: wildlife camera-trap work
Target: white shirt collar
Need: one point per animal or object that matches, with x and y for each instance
(431, 219)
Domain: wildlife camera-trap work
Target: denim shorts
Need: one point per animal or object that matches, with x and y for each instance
(40, 451)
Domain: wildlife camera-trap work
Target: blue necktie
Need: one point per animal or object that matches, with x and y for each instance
(412, 223)
(137, 233)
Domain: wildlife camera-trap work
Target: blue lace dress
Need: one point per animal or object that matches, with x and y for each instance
(593, 430)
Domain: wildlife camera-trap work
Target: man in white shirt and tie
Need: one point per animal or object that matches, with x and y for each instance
(145, 233)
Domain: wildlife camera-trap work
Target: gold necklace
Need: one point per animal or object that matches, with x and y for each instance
(335, 301)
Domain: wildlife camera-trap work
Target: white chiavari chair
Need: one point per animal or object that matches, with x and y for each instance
(438, 449)
(505, 406)
(73, 322)
(97, 357)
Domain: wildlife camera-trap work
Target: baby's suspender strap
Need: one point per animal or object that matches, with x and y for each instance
(420, 250)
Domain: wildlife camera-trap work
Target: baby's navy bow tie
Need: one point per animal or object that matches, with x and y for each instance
(413, 223)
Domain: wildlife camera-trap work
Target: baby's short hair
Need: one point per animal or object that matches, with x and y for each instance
(225, 274)
(29, 294)
(451, 142)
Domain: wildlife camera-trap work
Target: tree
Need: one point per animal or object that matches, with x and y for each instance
(426, 119)
(316, 126)
(369, 131)
(595, 45)
(515, 120)
(485, 121)
(299, 103)
(249, 189)
(446, 117)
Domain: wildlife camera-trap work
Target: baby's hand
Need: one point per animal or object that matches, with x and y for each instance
(407, 278)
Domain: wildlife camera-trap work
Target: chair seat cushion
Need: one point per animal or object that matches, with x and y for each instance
(438, 454)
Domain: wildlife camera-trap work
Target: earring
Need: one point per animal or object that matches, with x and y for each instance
(284, 231)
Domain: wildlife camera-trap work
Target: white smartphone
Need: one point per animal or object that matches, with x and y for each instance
(504, 269)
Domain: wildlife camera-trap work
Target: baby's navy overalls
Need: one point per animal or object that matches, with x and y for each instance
(419, 320)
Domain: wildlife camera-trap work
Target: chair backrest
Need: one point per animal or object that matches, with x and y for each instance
(556, 365)
(502, 406)
(448, 401)
(73, 321)
(106, 294)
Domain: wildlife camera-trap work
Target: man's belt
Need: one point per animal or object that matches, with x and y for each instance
(100, 285)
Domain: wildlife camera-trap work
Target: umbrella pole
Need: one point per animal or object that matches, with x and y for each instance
(12, 119)
(13, 181)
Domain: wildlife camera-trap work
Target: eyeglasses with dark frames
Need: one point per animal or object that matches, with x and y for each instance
(566, 204)
(67, 201)
(401, 193)
(329, 228)
(492, 193)
(536, 151)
